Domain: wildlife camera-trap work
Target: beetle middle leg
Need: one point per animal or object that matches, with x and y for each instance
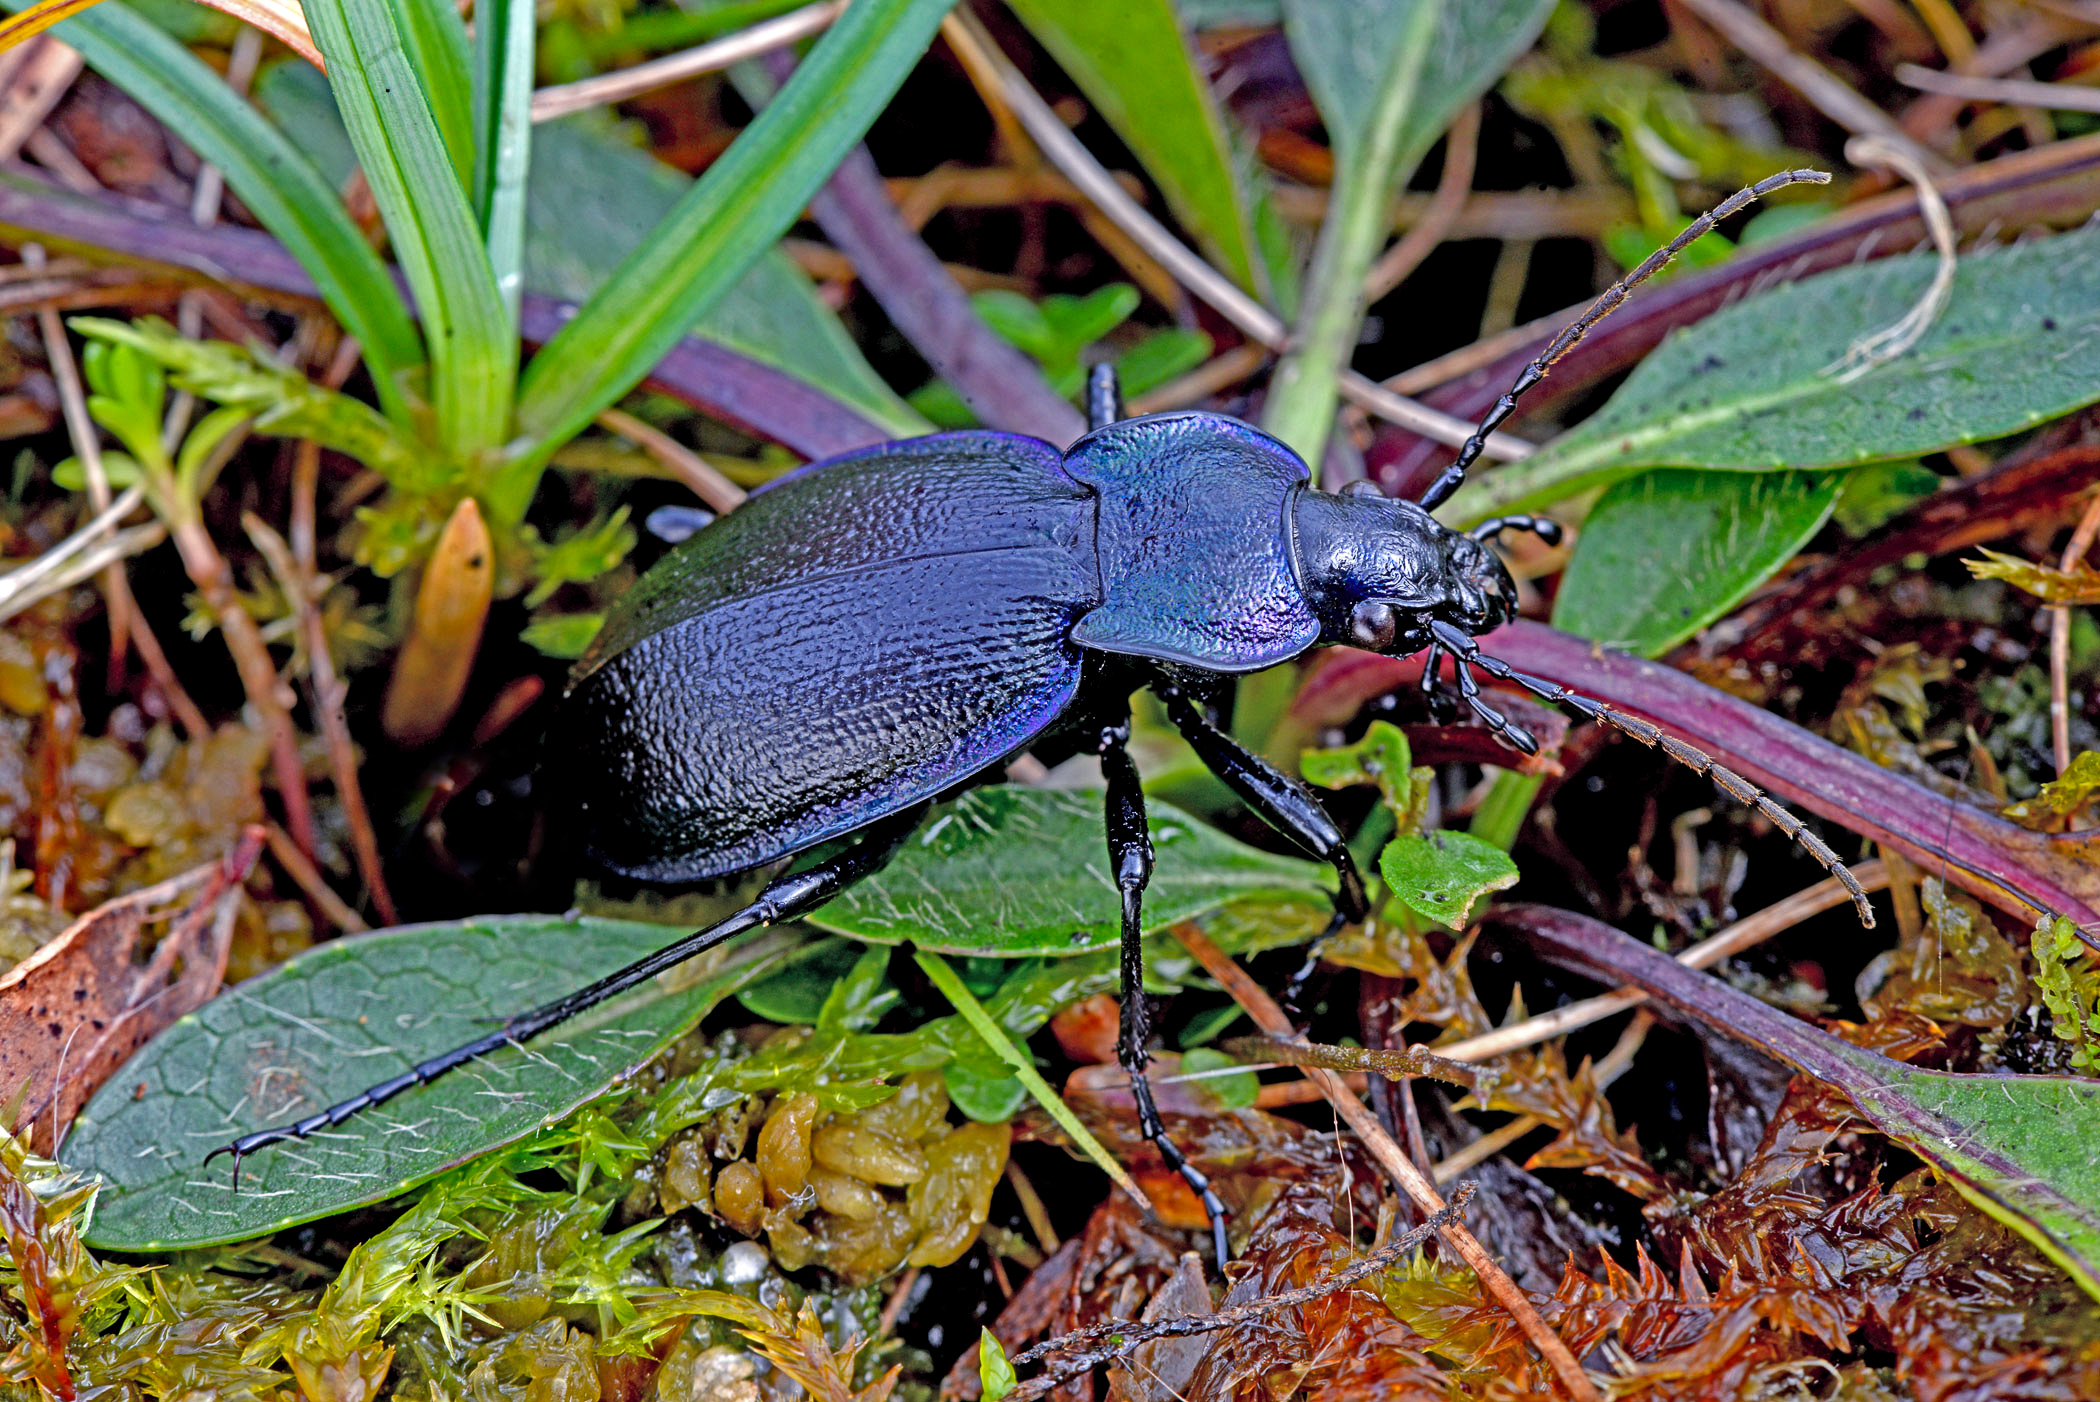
(1130, 858)
(784, 897)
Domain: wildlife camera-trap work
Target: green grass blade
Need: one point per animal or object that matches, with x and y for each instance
(272, 177)
(435, 40)
(1133, 61)
(437, 240)
(730, 216)
(503, 52)
(951, 986)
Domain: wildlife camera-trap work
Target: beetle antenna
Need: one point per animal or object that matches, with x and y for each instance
(1454, 476)
(1464, 650)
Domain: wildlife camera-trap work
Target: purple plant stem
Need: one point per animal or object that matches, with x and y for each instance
(2022, 872)
(711, 378)
(2057, 184)
(1002, 386)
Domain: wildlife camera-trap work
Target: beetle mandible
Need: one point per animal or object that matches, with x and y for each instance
(868, 632)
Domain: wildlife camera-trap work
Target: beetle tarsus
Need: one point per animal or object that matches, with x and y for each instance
(1130, 858)
(783, 898)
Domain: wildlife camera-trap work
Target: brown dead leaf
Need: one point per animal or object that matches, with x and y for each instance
(77, 1009)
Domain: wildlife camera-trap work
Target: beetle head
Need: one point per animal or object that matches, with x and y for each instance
(1377, 571)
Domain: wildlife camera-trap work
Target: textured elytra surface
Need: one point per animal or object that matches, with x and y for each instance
(346, 1016)
(858, 637)
(1194, 543)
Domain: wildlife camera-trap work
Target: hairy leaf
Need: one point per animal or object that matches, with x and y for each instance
(1755, 388)
(1664, 554)
(343, 1016)
(1012, 871)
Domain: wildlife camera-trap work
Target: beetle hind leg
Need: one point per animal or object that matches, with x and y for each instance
(783, 898)
(1130, 858)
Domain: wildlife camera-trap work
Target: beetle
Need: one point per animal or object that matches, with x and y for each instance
(874, 630)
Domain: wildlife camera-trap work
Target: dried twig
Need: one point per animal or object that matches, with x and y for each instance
(1614, 1065)
(1827, 92)
(705, 480)
(1104, 1343)
(2024, 92)
(1891, 341)
(2060, 640)
(1453, 188)
(330, 692)
(1743, 934)
(1063, 150)
(711, 57)
(1267, 1016)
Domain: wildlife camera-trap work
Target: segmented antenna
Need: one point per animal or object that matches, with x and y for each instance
(1454, 476)
(1466, 651)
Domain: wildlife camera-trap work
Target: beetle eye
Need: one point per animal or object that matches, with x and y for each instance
(1374, 625)
(1361, 487)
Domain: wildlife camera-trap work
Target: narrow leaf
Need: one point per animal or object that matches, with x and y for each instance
(272, 177)
(1751, 388)
(591, 198)
(435, 41)
(1132, 60)
(281, 19)
(734, 213)
(2079, 584)
(1664, 554)
(1010, 871)
(2019, 1147)
(408, 163)
(337, 1018)
(504, 32)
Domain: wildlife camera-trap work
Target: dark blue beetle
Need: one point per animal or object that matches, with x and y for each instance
(874, 630)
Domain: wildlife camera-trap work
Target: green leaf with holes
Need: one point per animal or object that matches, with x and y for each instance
(1441, 874)
(1666, 553)
(1755, 387)
(1011, 871)
(328, 1023)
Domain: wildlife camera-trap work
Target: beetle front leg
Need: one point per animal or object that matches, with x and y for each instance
(1130, 858)
(1284, 803)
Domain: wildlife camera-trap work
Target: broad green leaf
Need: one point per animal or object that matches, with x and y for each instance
(1441, 874)
(1012, 871)
(1387, 76)
(1755, 388)
(403, 150)
(2019, 1147)
(720, 227)
(1234, 1089)
(1666, 553)
(271, 175)
(1350, 52)
(343, 1016)
(591, 197)
(1133, 62)
(504, 31)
